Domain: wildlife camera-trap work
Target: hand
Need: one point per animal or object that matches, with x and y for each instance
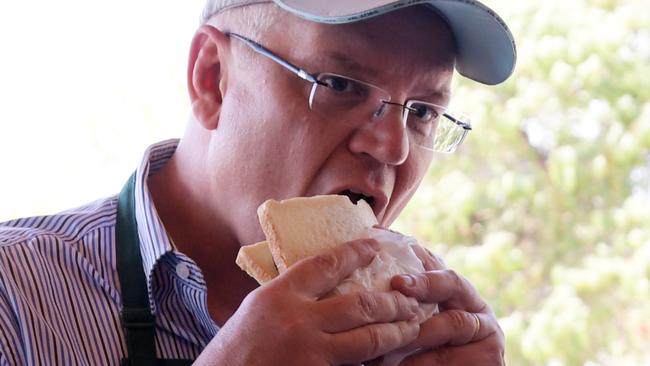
(289, 321)
(465, 332)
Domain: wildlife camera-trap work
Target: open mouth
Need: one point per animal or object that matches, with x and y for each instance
(355, 197)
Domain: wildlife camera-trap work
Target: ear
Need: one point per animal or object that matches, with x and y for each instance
(206, 78)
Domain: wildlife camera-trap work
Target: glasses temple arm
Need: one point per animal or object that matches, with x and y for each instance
(268, 53)
(462, 124)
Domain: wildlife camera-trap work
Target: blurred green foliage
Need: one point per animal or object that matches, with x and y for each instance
(546, 208)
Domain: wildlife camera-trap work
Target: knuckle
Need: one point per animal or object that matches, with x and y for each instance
(456, 278)
(361, 249)
(457, 319)
(398, 302)
(401, 303)
(374, 341)
(425, 282)
(431, 260)
(327, 263)
(261, 297)
(367, 305)
(406, 331)
(403, 332)
(428, 280)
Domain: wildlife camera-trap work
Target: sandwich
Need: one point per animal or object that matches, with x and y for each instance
(301, 227)
(257, 261)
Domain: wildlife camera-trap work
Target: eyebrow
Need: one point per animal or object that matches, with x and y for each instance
(440, 97)
(347, 64)
(352, 68)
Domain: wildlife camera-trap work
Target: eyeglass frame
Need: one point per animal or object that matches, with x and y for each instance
(307, 76)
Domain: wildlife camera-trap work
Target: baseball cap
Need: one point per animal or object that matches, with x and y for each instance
(486, 47)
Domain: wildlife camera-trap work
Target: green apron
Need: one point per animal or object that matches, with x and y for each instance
(137, 320)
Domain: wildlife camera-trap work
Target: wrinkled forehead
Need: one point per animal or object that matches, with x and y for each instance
(487, 51)
(408, 42)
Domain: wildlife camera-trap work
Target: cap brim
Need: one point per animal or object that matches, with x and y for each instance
(486, 47)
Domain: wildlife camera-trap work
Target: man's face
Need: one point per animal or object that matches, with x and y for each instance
(270, 144)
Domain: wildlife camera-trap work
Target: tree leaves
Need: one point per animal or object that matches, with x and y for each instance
(547, 206)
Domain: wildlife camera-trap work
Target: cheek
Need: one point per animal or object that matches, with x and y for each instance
(271, 141)
(407, 180)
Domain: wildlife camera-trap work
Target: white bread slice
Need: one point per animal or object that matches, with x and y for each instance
(257, 261)
(301, 227)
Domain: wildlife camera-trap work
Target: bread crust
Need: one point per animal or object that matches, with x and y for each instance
(301, 227)
(257, 261)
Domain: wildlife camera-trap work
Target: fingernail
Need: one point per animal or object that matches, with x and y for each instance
(412, 328)
(408, 280)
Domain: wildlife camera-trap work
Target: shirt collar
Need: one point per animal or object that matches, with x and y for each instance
(154, 240)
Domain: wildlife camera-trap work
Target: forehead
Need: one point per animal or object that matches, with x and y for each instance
(398, 45)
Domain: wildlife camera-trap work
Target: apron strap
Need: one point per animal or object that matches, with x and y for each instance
(137, 320)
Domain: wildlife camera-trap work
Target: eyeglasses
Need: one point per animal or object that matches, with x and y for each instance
(347, 100)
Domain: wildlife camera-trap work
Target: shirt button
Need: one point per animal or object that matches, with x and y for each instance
(182, 271)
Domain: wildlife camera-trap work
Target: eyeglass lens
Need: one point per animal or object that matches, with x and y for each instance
(354, 102)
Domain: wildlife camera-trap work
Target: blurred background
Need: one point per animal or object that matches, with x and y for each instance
(546, 208)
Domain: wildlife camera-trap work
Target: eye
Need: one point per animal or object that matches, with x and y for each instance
(338, 83)
(423, 112)
(423, 119)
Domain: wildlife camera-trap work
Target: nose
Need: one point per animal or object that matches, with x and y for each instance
(384, 138)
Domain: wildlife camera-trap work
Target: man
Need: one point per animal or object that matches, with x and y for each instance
(283, 105)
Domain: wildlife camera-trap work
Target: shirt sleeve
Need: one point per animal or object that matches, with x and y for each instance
(11, 344)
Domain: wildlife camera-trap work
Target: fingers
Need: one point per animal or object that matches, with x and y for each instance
(372, 341)
(443, 286)
(430, 261)
(488, 352)
(349, 311)
(454, 328)
(317, 275)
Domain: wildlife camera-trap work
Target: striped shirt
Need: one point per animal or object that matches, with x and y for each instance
(60, 293)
